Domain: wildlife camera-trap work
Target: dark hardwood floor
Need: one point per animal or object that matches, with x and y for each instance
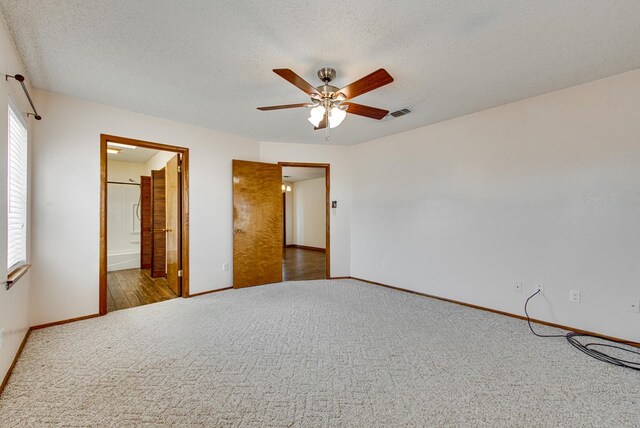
(135, 287)
(299, 264)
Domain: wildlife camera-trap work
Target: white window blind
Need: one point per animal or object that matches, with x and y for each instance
(17, 191)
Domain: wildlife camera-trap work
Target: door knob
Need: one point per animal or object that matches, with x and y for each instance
(162, 230)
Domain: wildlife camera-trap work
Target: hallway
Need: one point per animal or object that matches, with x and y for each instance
(301, 264)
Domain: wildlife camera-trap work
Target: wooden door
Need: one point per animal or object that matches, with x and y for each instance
(158, 224)
(257, 223)
(145, 222)
(172, 191)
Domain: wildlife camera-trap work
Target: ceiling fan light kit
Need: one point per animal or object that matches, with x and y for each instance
(330, 104)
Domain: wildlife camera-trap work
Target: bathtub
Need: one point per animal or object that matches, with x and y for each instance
(123, 260)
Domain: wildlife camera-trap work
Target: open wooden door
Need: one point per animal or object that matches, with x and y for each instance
(145, 222)
(158, 224)
(257, 223)
(172, 191)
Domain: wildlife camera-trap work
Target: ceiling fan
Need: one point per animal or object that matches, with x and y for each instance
(330, 104)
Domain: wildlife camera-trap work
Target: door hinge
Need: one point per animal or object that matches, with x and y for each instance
(180, 273)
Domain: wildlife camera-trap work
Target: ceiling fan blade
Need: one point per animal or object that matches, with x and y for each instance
(368, 83)
(296, 80)
(367, 111)
(283, 106)
(322, 124)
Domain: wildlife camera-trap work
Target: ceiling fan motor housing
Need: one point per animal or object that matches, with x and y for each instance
(329, 92)
(327, 74)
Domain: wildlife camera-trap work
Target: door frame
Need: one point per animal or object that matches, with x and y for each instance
(327, 180)
(184, 244)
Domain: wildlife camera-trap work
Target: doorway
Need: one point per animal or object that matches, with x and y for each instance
(143, 223)
(304, 215)
(259, 237)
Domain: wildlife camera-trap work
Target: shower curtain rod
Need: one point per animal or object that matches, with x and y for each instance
(123, 182)
(20, 78)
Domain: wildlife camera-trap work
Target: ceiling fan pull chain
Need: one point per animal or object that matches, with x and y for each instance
(326, 137)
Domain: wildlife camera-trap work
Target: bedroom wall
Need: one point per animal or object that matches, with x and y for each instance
(66, 205)
(542, 190)
(14, 303)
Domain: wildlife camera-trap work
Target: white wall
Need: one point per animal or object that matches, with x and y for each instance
(14, 303)
(546, 189)
(123, 225)
(309, 213)
(340, 180)
(123, 171)
(289, 215)
(66, 205)
(159, 161)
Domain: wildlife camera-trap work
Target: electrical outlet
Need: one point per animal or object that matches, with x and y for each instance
(225, 267)
(517, 287)
(633, 305)
(539, 286)
(574, 296)
(385, 264)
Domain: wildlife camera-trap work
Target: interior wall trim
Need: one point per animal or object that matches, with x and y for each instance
(508, 314)
(51, 324)
(210, 291)
(306, 247)
(15, 359)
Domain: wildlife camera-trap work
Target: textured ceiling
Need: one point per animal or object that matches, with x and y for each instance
(209, 62)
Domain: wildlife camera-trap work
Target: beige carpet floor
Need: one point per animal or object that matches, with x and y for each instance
(311, 354)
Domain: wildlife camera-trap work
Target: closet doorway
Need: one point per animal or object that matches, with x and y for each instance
(143, 223)
(305, 201)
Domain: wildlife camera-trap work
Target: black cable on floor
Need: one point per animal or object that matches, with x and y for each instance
(588, 348)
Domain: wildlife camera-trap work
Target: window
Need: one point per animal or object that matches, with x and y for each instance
(16, 191)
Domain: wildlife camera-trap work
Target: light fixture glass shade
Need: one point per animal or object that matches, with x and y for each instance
(317, 113)
(315, 121)
(288, 188)
(336, 116)
(283, 187)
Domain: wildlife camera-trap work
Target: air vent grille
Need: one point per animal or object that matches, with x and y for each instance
(399, 113)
